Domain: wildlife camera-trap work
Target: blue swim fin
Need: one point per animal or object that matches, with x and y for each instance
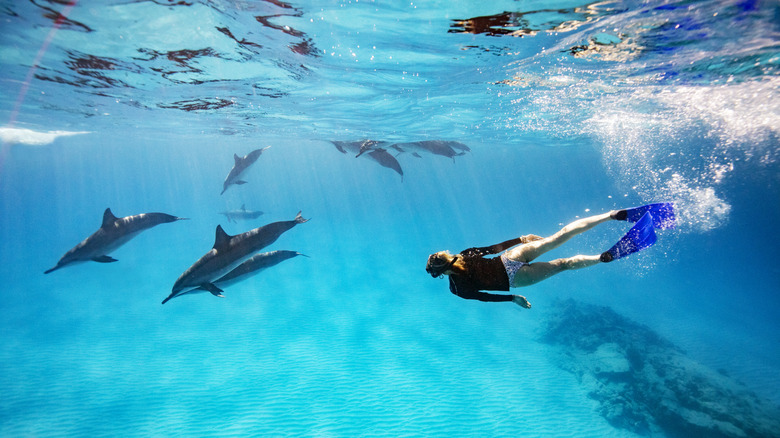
(640, 236)
(662, 212)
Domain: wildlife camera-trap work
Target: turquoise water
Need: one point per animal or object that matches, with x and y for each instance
(569, 109)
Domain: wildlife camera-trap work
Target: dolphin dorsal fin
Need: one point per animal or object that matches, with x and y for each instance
(108, 219)
(243, 207)
(236, 158)
(222, 238)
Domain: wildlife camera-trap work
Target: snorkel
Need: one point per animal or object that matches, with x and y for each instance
(438, 264)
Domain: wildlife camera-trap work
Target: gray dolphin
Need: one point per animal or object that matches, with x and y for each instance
(227, 253)
(240, 166)
(242, 214)
(372, 149)
(384, 159)
(436, 147)
(253, 266)
(113, 233)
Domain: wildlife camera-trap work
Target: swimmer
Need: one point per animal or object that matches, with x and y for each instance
(470, 272)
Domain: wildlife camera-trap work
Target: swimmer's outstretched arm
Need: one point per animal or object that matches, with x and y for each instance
(471, 294)
(499, 247)
(484, 296)
(495, 298)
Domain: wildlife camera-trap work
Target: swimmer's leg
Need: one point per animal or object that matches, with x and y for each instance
(530, 251)
(536, 272)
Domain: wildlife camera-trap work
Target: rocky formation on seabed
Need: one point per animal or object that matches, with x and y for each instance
(646, 385)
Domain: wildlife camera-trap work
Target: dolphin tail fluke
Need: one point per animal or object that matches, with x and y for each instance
(299, 219)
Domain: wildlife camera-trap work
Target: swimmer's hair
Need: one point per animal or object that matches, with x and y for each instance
(440, 258)
(438, 262)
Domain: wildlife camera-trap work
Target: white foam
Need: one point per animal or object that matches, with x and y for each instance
(743, 117)
(33, 138)
(697, 208)
(646, 139)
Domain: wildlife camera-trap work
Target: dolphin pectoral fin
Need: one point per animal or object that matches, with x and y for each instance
(104, 259)
(217, 292)
(239, 182)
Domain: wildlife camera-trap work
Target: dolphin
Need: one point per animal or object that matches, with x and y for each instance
(113, 233)
(384, 159)
(253, 266)
(372, 149)
(436, 147)
(256, 264)
(227, 253)
(240, 166)
(242, 214)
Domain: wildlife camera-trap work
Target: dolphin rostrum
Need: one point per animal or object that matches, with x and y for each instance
(242, 214)
(227, 253)
(240, 166)
(253, 266)
(113, 233)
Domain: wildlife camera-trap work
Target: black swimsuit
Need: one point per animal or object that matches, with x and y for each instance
(483, 274)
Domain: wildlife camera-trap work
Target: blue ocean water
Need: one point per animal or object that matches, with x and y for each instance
(569, 109)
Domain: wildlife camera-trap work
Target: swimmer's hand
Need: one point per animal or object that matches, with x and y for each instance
(521, 301)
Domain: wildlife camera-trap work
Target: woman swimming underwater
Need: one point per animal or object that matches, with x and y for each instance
(470, 272)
